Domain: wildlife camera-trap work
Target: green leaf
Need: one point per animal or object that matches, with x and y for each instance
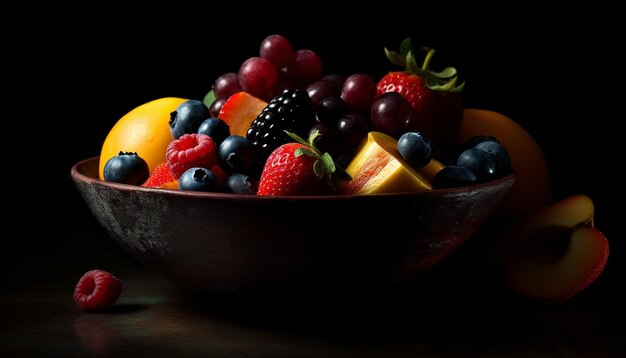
(411, 64)
(446, 73)
(300, 151)
(395, 58)
(319, 168)
(329, 163)
(405, 46)
(297, 138)
(209, 98)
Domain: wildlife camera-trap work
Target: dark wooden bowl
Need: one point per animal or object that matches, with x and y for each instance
(217, 242)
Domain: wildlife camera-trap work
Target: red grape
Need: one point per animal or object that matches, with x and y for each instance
(277, 50)
(258, 77)
(359, 92)
(306, 67)
(226, 85)
(352, 130)
(390, 113)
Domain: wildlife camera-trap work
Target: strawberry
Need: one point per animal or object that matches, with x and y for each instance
(299, 168)
(435, 97)
(160, 175)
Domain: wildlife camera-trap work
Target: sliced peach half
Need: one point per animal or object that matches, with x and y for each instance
(554, 252)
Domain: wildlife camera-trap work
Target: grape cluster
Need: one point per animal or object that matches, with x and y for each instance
(346, 106)
(277, 67)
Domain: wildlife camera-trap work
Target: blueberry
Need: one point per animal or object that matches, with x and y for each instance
(502, 156)
(127, 168)
(483, 164)
(187, 117)
(215, 128)
(453, 176)
(237, 155)
(415, 149)
(197, 179)
(474, 140)
(241, 184)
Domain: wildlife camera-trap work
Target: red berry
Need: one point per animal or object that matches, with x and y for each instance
(97, 290)
(190, 150)
(277, 50)
(258, 77)
(160, 175)
(306, 68)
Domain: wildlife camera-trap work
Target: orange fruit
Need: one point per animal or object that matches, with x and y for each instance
(145, 130)
(532, 187)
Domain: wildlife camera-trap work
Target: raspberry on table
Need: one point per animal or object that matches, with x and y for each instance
(189, 151)
(97, 290)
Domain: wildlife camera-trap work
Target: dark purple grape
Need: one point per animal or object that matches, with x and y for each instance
(359, 92)
(306, 67)
(278, 50)
(226, 85)
(335, 78)
(352, 130)
(330, 109)
(319, 90)
(328, 141)
(390, 112)
(415, 149)
(216, 106)
(453, 176)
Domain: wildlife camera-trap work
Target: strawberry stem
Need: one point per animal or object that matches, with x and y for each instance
(429, 55)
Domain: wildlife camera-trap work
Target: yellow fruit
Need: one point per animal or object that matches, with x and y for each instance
(379, 168)
(532, 187)
(144, 130)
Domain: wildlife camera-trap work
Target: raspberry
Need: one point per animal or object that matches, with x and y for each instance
(97, 290)
(160, 175)
(190, 150)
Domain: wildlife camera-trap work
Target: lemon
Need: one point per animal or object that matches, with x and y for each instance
(145, 130)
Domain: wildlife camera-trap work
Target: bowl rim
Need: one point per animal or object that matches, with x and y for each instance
(77, 175)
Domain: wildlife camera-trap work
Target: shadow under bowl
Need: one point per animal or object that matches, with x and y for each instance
(228, 243)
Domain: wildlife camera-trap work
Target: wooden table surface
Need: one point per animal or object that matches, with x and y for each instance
(448, 314)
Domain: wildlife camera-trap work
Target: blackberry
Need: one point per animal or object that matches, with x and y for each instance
(290, 111)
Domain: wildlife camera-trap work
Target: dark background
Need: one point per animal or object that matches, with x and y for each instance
(550, 70)
(80, 68)
(76, 69)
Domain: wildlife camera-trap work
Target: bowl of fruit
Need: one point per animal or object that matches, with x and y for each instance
(283, 178)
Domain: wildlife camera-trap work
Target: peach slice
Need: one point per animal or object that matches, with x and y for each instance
(553, 253)
(555, 277)
(379, 168)
(240, 110)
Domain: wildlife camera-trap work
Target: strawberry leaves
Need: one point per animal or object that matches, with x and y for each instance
(445, 80)
(324, 165)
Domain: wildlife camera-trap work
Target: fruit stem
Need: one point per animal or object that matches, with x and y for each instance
(429, 56)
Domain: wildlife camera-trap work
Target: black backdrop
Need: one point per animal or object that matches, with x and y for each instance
(550, 70)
